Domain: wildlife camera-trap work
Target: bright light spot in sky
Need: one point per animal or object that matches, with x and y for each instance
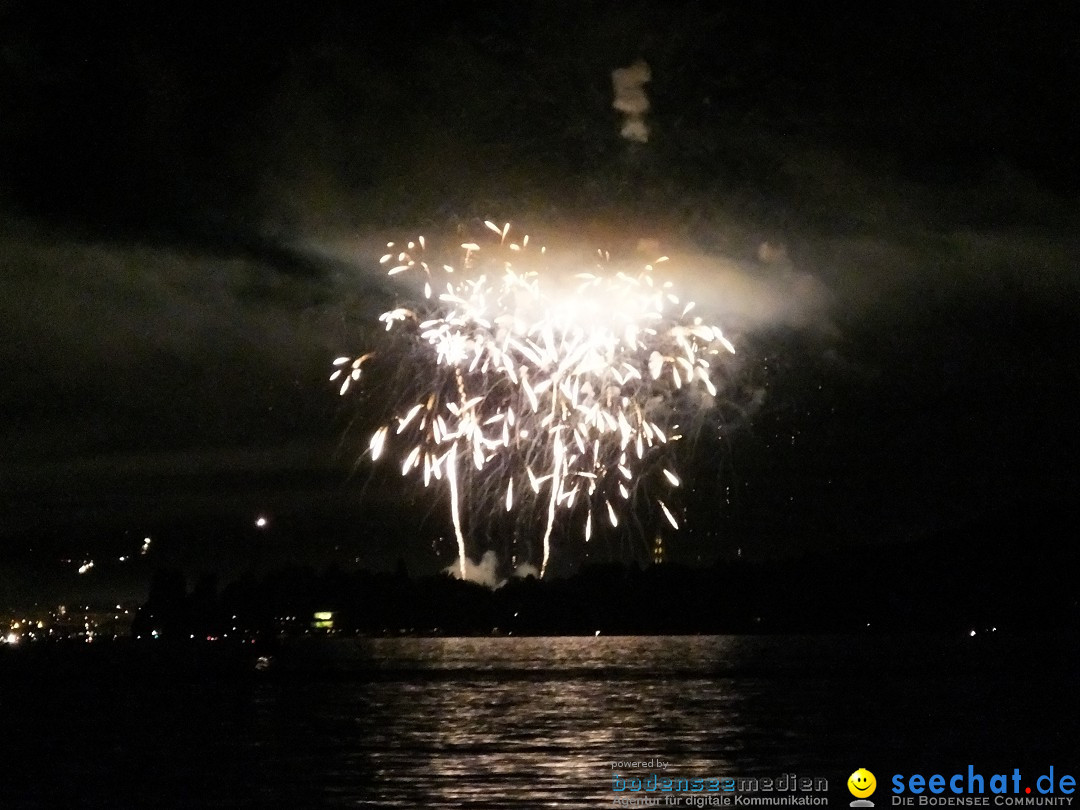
(260, 522)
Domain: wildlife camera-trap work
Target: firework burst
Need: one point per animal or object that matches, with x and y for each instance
(548, 397)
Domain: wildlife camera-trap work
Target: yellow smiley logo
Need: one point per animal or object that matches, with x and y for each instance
(861, 783)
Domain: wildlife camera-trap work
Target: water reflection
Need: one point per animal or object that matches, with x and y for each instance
(532, 722)
(538, 721)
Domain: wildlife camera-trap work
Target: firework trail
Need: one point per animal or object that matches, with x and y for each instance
(547, 396)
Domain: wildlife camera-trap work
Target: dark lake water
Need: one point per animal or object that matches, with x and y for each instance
(523, 722)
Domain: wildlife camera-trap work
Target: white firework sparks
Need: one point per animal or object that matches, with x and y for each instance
(525, 384)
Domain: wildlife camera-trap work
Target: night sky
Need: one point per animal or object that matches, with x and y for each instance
(193, 201)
